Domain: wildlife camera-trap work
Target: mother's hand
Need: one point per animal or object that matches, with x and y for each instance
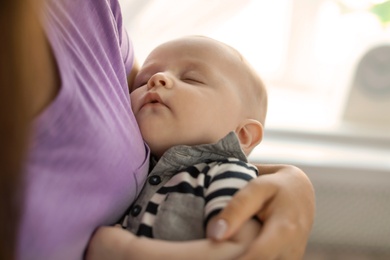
(109, 243)
(284, 201)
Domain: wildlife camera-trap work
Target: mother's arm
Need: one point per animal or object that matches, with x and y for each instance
(283, 199)
(116, 243)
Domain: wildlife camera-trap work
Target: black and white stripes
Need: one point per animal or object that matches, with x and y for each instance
(199, 190)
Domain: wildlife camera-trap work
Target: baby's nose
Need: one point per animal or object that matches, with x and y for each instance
(159, 80)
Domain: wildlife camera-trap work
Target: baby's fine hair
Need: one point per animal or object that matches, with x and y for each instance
(256, 97)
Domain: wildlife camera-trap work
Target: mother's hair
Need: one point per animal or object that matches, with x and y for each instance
(18, 27)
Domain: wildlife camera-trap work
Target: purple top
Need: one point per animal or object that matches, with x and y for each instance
(87, 160)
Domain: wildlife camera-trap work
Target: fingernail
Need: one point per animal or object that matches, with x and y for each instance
(218, 229)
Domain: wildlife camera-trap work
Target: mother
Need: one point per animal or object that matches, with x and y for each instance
(85, 159)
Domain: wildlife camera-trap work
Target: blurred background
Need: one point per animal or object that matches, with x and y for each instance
(326, 64)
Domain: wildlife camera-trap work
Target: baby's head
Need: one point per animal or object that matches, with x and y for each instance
(195, 90)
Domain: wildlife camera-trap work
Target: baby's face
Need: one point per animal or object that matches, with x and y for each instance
(187, 93)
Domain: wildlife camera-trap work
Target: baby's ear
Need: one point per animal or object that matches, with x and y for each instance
(250, 134)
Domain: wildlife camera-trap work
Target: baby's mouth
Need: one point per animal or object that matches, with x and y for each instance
(153, 99)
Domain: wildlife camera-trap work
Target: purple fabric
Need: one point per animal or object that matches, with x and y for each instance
(87, 160)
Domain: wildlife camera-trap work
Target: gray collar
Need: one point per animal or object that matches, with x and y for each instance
(182, 156)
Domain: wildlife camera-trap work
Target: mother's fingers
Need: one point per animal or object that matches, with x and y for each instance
(245, 204)
(277, 240)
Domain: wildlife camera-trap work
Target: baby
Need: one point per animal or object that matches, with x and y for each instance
(201, 109)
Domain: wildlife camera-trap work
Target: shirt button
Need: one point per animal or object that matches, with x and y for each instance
(135, 210)
(154, 180)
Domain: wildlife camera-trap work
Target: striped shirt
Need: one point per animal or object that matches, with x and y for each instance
(188, 186)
